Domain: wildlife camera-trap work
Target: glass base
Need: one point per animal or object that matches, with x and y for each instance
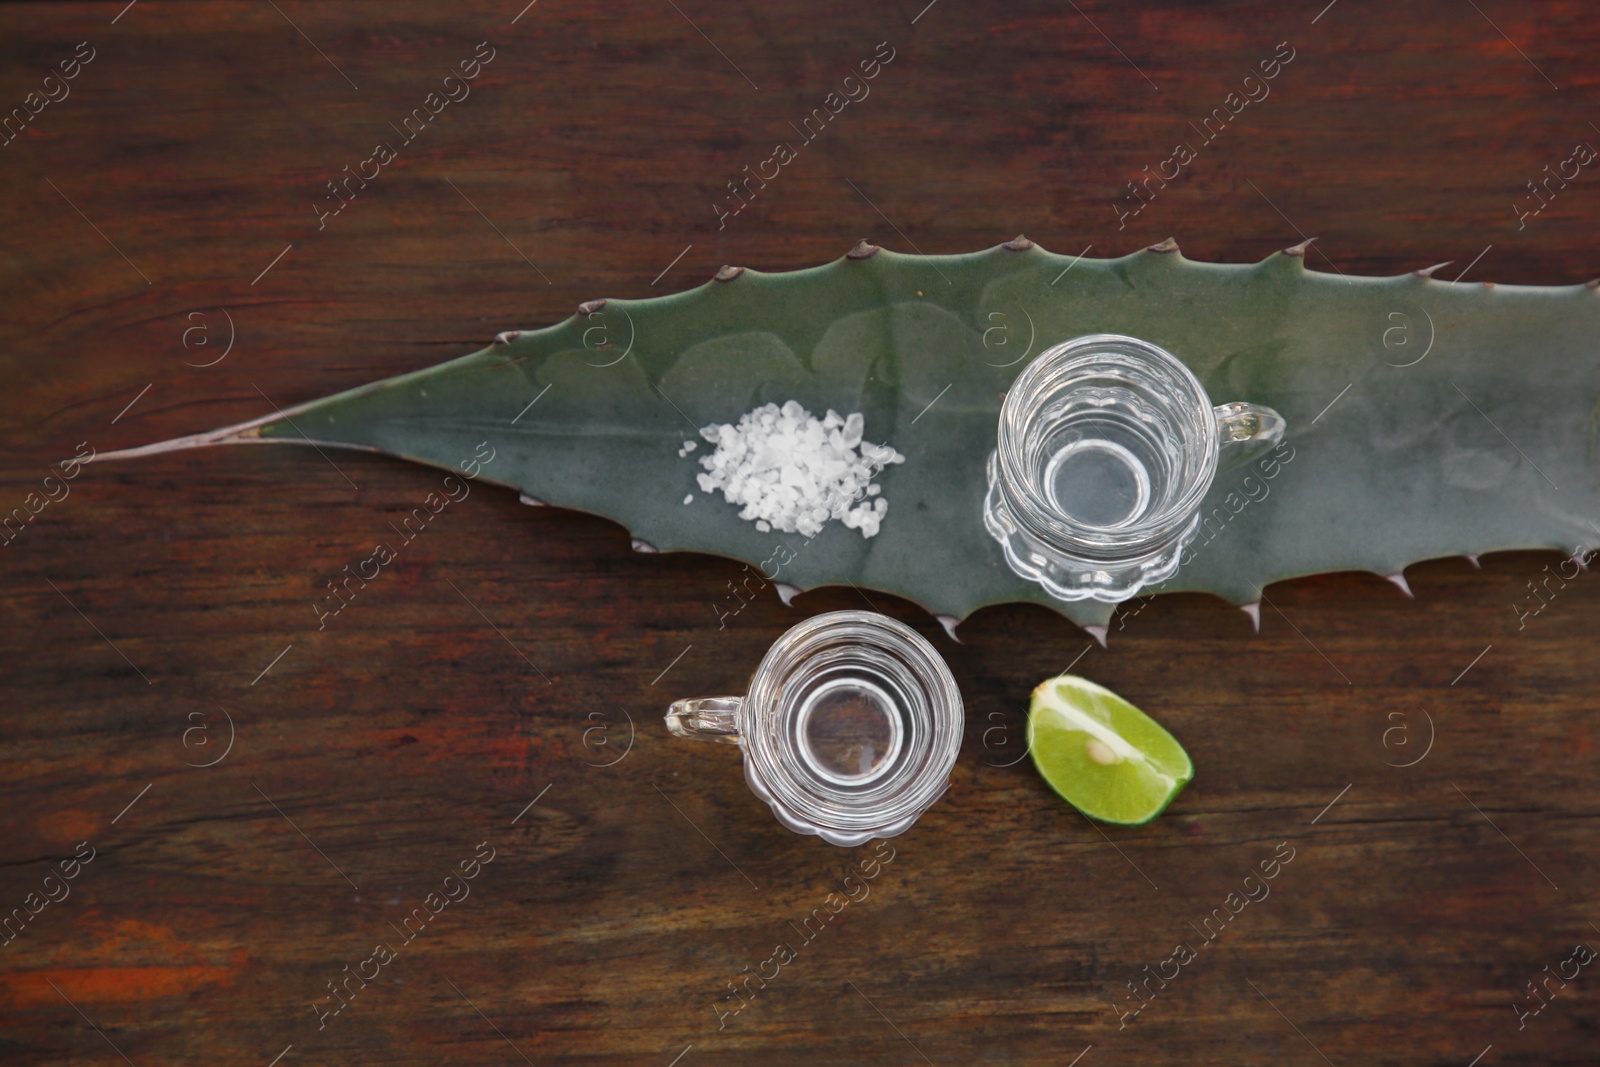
(797, 822)
(1066, 577)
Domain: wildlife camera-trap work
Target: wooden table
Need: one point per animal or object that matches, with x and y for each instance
(468, 704)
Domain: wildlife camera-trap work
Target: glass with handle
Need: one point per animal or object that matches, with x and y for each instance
(1106, 446)
(850, 726)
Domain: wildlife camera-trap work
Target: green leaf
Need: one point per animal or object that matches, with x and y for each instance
(1425, 418)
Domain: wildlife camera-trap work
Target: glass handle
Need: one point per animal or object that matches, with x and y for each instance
(706, 719)
(1245, 431)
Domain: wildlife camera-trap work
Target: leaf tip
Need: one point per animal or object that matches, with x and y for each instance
(1164, 247)
(787, 593)
(532, 501)
(949, 622)
(1399, 580)
(1018, 243)
(1098, 633)
(862, 250)
(229, 435)
(1299, 251)
(590, 307)
(1593, 283)
(1472, 558)
(1427, 272)
(506, 337)
(726, 273)
(1253, 609)
(641, 545)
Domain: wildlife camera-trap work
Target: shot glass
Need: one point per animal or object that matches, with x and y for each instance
(850, 727)
(1107, 444)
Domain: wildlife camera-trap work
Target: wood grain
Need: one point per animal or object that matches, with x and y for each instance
(378, 753)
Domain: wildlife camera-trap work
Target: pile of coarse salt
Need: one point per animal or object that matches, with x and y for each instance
(793, 472)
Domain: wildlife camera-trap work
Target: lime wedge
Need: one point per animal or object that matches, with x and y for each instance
(1104, 756)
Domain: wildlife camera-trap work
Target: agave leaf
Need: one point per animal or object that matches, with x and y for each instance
(1425, 418)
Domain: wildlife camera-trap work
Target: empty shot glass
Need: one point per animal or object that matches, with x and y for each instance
(850, 726)
(1107, 445)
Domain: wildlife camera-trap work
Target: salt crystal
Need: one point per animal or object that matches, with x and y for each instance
(792, 472)
(853, 425)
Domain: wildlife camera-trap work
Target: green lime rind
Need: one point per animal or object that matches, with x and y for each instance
(1101, 754)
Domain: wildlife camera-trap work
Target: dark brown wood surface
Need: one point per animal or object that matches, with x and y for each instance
(503, 657)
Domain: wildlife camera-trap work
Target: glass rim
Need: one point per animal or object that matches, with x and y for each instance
(891, 804)
(1044, 518)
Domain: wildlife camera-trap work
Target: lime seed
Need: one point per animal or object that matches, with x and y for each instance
(1100, 752)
